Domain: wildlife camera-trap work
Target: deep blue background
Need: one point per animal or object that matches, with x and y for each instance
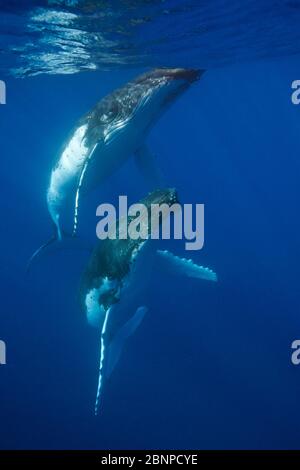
(210, 365)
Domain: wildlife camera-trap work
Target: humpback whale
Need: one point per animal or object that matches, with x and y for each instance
(107, 135)
(112, 285)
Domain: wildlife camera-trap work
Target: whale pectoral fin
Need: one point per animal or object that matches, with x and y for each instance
(116, 346)
(43, 248)
(146, 164)
(79, 189)
(68, 242)
(185, 266)
(110, 353)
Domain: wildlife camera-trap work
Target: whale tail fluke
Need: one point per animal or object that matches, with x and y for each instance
(110, 354)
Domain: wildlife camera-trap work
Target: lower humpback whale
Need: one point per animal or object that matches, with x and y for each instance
(111, 290)
(107, 135)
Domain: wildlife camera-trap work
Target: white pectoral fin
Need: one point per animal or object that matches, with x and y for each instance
(116, 346)
(110, 353)
(146, 164)
(101, 362)
(79, 186)
(185, 266)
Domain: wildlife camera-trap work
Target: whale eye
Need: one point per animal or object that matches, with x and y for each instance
(110, 111)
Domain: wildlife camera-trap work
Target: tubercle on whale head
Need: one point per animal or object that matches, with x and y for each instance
(185, 74)
(189, 75)
(161, 196)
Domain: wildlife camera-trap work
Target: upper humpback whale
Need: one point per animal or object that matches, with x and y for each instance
(107, 135)
(111, 290)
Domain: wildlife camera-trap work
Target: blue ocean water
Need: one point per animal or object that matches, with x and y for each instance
(210, 366)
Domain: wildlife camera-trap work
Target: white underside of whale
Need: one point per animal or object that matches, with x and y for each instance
(83, 166)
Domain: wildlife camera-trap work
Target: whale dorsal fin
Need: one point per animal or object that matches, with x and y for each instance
(185, 266)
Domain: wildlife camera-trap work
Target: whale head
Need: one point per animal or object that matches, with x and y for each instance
(154, 91)
(140, 102)
(108, 269)
(168, 78)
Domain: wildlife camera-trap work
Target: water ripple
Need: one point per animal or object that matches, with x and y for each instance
(69, 36)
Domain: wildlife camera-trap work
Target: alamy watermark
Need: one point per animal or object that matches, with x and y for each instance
(141, 222)
(2, 352)
(2, 92)
(295, 357)
(295, 96)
